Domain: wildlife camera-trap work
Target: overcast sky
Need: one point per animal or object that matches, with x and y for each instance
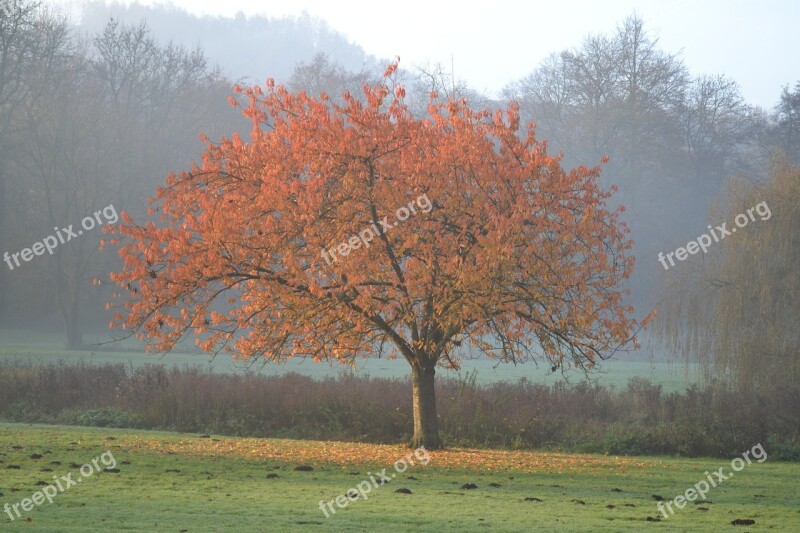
(757, 43)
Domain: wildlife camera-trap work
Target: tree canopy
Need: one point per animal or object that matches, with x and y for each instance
(515, 258)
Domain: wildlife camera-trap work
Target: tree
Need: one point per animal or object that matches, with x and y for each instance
(787, 123)
(341, 231)
(612, 96)
(64, 154)
(324, 75)
(33, 41)
(716, 123)
(547, 94)
(153, 92)
(128, 110)
(576, 98)
(426, 78)
(736, 312)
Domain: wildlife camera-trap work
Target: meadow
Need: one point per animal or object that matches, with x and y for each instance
(178, 482)
(183, 482)
(174, 481)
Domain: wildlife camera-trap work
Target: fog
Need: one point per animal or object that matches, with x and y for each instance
(135, 85)
(507, 230)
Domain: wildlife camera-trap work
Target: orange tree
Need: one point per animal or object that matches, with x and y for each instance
(481, 243)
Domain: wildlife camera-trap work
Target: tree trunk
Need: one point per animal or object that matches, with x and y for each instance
(3, 239)
(69, 305)
(74, 334)
(426, 423)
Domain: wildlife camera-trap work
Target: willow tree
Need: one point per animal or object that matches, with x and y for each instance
(736, 310)
(343, 230)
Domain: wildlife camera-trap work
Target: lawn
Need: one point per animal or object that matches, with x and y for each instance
(181, 482)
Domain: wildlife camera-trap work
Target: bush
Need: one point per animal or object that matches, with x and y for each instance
(715, 420)
(107, 418)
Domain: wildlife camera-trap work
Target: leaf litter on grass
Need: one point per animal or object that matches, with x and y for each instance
(353, 453)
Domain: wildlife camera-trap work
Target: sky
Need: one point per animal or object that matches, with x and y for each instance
(757, 43)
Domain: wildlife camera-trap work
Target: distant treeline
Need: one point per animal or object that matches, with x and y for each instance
(673, 137)
(91, 120)
(100, 114)
(86, 123)
(714, 420)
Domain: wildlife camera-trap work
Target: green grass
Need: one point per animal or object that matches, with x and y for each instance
(177, 482)
(46, 348)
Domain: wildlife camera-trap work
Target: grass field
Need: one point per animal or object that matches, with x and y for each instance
(46, 348)
(188, 483)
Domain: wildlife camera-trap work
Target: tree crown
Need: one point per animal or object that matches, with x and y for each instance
(515, 256)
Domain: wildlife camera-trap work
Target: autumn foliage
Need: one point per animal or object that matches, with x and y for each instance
(518, 258)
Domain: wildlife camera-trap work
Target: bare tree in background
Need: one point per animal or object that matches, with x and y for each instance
(324, 75)
(33, 42)
(716, 122)
(787, 123)
(128, 110)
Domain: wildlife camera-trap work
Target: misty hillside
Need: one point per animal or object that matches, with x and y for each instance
(250, 48)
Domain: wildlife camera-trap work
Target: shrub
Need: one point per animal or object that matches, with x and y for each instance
(714, 420)
(107, 418)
